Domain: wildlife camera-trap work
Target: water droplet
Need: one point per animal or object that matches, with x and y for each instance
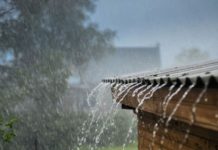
(165, 130)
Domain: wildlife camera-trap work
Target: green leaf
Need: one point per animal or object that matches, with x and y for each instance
(7, 137)
(11, 123)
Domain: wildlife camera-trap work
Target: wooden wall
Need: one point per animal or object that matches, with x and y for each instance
(176, 136)
(182, 132)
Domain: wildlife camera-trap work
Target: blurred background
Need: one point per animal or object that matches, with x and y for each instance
(53, 53)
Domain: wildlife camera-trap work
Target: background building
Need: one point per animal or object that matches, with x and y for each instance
(124, 60)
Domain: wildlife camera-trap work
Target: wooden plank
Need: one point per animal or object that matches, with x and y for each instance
(173, 138)
(206, 114)
(168, 144)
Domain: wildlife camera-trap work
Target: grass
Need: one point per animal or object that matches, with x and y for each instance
(128, 147)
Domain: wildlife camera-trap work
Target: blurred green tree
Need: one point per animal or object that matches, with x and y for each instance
(46, 38)
(6, 129)
(43, 40)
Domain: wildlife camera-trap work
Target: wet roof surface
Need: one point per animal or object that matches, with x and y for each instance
(203, 72)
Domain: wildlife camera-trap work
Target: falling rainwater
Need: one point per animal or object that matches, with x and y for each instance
(161, 120)
(93, 91)
(138, 89)
(149, 95)
(105, 123)
(122, 89)
(143, 91)
(170, 98)
(118, 87)
(134, 85)
(180, 101)
(206, 83)
(100, 119)
(200, 96)
(99, 92)
(177, 106)
(129, 132)
(120, 92)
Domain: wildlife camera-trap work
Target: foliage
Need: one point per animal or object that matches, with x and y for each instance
(61, 131)
(44, 39)
(6, 129)
(50, 131)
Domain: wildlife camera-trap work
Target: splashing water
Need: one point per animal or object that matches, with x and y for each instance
(129, 131)
(108, 118)
(143, 91)
(137, 90)
(100, 90)
(161, 120)
(127, 92)
(106, 122)
(117, 88)
(93, 92)
(176, 107)
(122, 89)
(168, 95)
(149, 95)
(179, 102)
(83, 130)
(170, 98)
(199, 98)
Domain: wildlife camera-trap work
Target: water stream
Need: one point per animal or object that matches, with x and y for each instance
(130, 130)
(97, 94)
(194, 105)
(149, 95)
(142, 93)
(107, 116)
(123, 89)
(176, 107)
(166, 103)
(138, 89)
(128, 90)
(164, 106)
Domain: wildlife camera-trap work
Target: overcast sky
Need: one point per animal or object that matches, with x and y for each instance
(175, 24)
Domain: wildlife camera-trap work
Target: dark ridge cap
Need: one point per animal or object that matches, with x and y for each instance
(155, 82)
(175, 81)
(169, 82)
(143, 81)
(148, 81)
(139, 80)
(134, 80)
(188, 82)
(162, 81)
(202, 74)
(213, 82)
(200, 82)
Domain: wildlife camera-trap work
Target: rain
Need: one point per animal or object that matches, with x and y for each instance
(88, 74)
